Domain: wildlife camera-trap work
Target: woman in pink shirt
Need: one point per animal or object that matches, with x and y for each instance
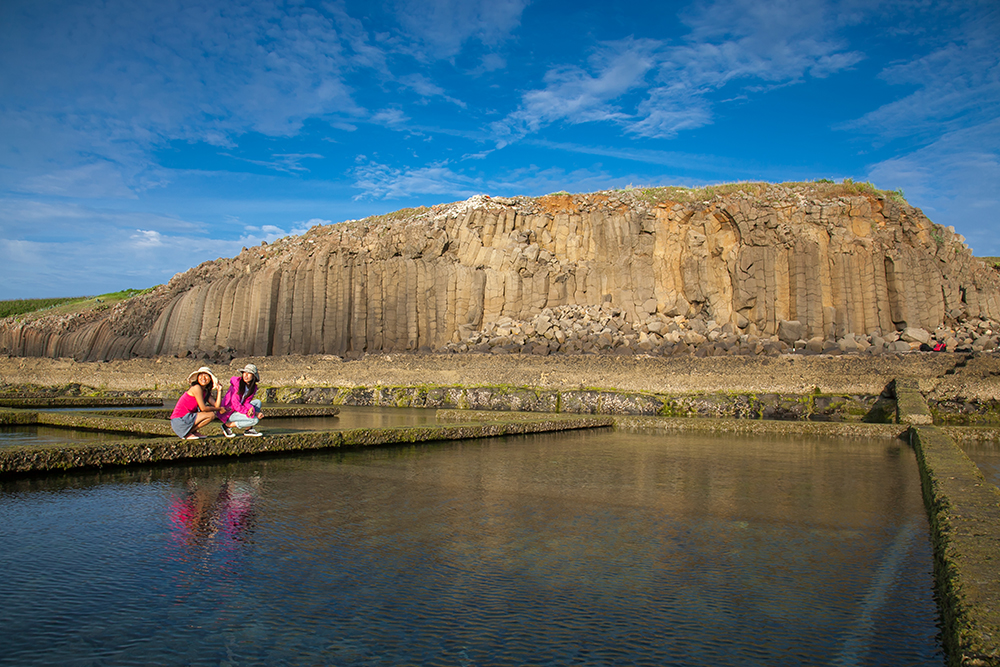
(193, 409)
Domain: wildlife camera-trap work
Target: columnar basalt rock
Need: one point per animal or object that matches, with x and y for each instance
(755, 260)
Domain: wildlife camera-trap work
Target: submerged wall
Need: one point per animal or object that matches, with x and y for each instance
(836, 264)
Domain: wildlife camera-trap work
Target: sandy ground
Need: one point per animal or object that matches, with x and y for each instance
(939, 374)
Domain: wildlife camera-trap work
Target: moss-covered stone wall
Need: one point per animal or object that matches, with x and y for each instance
(964, 513)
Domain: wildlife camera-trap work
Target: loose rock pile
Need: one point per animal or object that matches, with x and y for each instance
(604, 329)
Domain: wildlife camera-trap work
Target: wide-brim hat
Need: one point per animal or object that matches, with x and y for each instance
(204, 369)
(251, 368)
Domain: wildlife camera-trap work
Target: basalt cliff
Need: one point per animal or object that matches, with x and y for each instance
(742, 269)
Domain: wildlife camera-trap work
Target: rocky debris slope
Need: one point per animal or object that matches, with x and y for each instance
(605, 330)
(797, 266)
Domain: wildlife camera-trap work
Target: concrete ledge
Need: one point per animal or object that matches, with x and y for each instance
(76, 401)
(829, 429)
(911, 408)
(964, 513)
(27, 460)
(973, 433)
(138, 422)
(671, 424)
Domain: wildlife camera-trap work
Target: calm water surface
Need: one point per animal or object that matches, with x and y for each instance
(350, 417)
(592, 548)
(987, 457)
(31, 434)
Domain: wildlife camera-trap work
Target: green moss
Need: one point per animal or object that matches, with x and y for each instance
(401, 214)
(820, 188)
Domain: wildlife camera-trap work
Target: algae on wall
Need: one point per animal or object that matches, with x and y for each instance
(815, 407)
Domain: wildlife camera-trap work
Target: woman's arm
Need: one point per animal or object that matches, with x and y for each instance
(199, 395)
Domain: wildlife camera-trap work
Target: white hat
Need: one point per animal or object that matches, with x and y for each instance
(204, 369)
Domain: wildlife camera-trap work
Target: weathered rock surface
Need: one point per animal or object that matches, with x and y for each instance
(755, 271)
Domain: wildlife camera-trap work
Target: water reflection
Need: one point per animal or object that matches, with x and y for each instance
(210, 515)
(987, 457)
(585, 548)
(32, 434)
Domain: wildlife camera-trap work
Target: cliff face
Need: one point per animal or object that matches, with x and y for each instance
(419, 280)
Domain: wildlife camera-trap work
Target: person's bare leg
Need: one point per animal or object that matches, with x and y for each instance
(202, 419)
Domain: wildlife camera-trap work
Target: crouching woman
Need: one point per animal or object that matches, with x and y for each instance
(239, 407)
(197, 406)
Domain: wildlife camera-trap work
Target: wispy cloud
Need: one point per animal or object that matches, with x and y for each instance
(958, 86)
(253, 235)
(441, 27)
(380, 181)
(954, 180)
(579, 96)
(117, 78)
(92, 180)
(391, 117)
(953, 116)
(91, 250)
(424, 87)
(287, 162)
(758, 44)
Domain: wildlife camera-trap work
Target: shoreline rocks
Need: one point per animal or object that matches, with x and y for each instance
(575, 330)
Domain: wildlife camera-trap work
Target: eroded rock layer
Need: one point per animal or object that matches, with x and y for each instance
(421, 279)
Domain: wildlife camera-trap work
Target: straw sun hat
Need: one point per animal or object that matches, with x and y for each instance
(204, 369)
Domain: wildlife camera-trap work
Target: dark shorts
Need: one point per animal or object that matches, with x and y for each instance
(183, 425)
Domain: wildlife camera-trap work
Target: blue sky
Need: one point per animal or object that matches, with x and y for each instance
(139, 138)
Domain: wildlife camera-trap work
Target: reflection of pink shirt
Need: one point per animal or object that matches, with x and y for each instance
(187, 403)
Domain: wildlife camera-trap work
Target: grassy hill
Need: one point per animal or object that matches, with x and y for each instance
(32, 308)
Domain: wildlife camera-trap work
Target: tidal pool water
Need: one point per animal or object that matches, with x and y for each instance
(33, 434)
(586, 548)
(350, 417)
(987, 457)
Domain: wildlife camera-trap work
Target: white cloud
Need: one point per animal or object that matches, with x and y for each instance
(391, 117)
(116, 79)
(92, 180)
(253, 235)
(424, 87)
(958, 85)
(29, 218)
(147, 238)
(442, 27)
(108, 262)
(95, 251)
(953, 180)
(286, 162)
(379, 181)
(577, 96)
(759, 44)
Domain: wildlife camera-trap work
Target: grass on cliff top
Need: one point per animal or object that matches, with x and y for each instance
(822, 188)
(401, 214)
(33, 308)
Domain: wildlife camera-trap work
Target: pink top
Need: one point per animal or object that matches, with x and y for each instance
(185, 404)
(233, 401)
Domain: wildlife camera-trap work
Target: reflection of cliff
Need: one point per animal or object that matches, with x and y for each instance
(847, 260)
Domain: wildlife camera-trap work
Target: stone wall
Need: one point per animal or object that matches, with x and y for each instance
(858, 263)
